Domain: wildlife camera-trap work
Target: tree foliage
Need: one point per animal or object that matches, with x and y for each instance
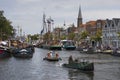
(34, 37)
(84, 34)
(118, 34)
(71, 36)
(98, 35)
(6, 29)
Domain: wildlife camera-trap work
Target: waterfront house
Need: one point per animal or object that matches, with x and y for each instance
(110, 31)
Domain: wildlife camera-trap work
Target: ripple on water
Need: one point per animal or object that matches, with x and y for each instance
(107, 67)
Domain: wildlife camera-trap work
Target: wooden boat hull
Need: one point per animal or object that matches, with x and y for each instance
(116, 53)
(107, 51)
(4, 54)
(20, 53)
(55, 48)
(51, 47)
(51, 59)
(70, 47)
(84, 66)
(23, 55)
(87, 50)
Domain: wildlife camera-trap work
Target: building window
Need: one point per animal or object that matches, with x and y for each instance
(112, 25)
(105, 26)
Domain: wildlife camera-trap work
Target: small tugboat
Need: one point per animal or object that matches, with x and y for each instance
(52, 56)
(84, 66)
(68, 44)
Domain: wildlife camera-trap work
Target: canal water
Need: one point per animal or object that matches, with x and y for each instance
(106, 66)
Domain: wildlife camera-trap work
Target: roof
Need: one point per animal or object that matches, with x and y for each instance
(91, 23)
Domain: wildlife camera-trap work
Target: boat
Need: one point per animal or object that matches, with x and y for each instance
(52, 56)
(97, 51)
(88, 50)
(110, 51)
(55, 47)
(48, 39)
(116, 53)
(51, 45)
(76, 74)
(75, 64)
(4, 52)
(68, 44)
(23, 52)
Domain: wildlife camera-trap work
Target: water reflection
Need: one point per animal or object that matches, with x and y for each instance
(80, 75)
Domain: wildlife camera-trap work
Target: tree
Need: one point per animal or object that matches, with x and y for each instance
(83, 35)
(71, 36)
(35, 37)
(6, 29)
(97, 38)
(63, 37)
(118, 34)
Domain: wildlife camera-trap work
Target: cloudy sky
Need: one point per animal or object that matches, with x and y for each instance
(27, 14)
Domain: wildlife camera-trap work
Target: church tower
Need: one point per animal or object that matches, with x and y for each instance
(79, 19)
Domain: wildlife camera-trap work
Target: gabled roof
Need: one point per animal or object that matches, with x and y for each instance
(116, 20)
(83, 25)
(108, 22)
(91, 23)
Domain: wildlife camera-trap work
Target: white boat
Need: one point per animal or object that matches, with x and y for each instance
(52, 56)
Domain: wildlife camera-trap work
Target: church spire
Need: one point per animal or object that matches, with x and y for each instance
(79, 20)
(79, 14)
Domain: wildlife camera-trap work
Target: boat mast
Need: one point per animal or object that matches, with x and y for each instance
(50, 24)
(44, 25)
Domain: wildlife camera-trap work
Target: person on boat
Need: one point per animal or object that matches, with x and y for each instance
(76, 60)
(53, 53)
(56, 55)
(48, 55)
(70, 59)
